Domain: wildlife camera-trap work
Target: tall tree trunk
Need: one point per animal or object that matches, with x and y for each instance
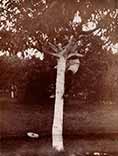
(57, 128)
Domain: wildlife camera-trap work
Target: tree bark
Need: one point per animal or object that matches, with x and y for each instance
(57, 128)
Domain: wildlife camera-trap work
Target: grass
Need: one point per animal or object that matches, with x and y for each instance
(17, 118)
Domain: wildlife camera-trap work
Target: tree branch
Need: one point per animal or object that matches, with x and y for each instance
(68, 46)
(50, 53)
(74, 48)
(74, 54)
(53, 47)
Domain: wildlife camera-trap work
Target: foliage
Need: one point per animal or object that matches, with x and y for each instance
(8, 66)
(27, 24)
(44, 25)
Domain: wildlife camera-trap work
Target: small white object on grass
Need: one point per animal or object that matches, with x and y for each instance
(32, 135)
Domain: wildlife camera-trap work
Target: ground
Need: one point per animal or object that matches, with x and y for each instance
(87, 128)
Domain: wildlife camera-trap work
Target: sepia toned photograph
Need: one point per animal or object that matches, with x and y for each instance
(58, 77)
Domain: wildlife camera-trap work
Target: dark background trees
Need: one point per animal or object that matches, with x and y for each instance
(35, 24)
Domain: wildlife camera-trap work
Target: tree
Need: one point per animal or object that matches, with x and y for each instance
(63, 54)
(8, 74)
(62, 29)
(90, 78)
(38, 80)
